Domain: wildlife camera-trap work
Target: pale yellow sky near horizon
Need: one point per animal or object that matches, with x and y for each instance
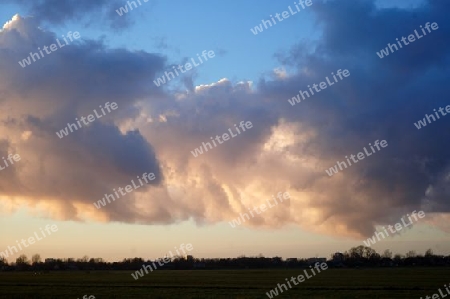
(76, 239)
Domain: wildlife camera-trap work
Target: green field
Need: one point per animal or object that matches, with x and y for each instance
(243, 284)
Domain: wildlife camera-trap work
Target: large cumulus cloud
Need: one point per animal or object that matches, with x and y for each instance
(51, 92)
(287, 149)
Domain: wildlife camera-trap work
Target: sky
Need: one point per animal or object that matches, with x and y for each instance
(252, 77)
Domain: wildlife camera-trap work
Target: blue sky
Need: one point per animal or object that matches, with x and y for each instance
(217, 26)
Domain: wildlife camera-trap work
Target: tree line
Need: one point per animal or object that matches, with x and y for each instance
(360, 256)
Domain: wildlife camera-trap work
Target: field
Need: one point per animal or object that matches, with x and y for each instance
(242, 284)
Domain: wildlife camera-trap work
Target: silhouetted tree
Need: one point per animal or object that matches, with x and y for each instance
(429, 253)
(22, 260)
(387, 254)
(36, 259)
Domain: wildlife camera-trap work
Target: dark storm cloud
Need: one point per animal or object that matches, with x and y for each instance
(130, 154)
(380, 100)
(58, 12)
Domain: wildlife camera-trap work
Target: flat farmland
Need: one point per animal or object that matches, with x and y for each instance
(242, 284)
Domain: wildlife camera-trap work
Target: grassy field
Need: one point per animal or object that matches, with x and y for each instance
(242, 284)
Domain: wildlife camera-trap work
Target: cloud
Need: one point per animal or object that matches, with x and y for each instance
(44, 97)
(59, 12)
(381, 100)
(288, 148)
